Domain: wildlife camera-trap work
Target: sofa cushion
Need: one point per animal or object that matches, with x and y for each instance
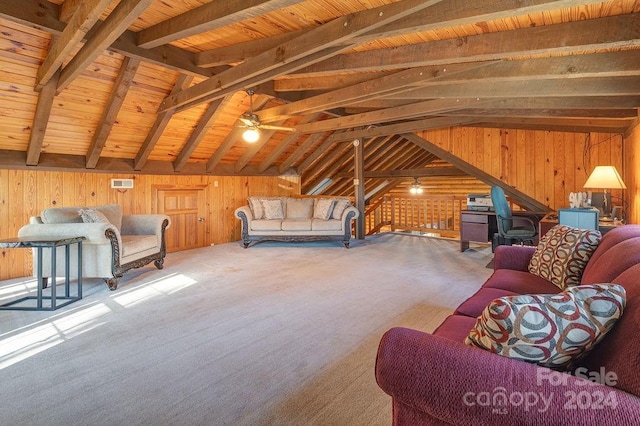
(296, 225)
(61, 215)
(266, 225)
(473, 306)
(520, 282)
(255, 204)
(326, 225)
(455, 327)
(323, 208)
(93, 216)
(563, 253)
(550, 330)
(133, 244)
(299, 208)
(339, 207)
(272, 209)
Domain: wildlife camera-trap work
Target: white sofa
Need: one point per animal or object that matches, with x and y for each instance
(114, 243)
(296, 219)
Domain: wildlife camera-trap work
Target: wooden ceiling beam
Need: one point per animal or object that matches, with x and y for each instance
(327, 168)
(418, 109)
(213, 111)
(289, 140)
(555, 124)
(162, 120)
(412, 173)
(459, 12)
(109, 30)
(383, 86)
(524, 199)
(571, 103)
(330, 35)
(41, 120)
(207, 17)
(43, 15)
(305, 83)
(393, 129)
(621, 114)
(299, 152)
(84, 18)
(557, 87)
(116, 99)
(242, 51)
(613, 32)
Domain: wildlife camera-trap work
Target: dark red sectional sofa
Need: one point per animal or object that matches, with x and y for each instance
(437, 379)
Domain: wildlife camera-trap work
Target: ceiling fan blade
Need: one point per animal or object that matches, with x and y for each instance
(270, 127)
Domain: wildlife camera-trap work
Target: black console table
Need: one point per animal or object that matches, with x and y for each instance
(40, 245)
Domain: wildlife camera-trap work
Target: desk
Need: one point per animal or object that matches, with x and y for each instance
(52, 245)
(551, 220)
(481, 226)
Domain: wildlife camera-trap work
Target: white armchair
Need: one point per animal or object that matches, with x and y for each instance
(114, 243)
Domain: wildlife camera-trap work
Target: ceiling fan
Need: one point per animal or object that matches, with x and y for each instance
(253, 125)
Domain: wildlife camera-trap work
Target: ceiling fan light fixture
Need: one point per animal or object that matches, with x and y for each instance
(251, 135)
(415, 188)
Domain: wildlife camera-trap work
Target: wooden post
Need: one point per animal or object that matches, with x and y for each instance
(358, 184)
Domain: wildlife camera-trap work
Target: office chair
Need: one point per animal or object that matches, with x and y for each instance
(523, 233)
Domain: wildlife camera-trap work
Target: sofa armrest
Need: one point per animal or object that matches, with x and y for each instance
(460, 384)
(513, 257)
(143, 224)
(246, 211)
(94, 233)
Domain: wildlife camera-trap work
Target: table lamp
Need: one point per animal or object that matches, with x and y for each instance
(605, 177)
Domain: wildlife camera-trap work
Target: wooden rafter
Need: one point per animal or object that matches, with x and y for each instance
(44, 15)
(286, 143)
(85, 16)
(162, 120)
(299, 152)
(108, 31)
(116, 99)
(332, 34)
(206, 122)
(383, 86)
(613, 32)
(206, 18)
(41, 120)
(523, 199)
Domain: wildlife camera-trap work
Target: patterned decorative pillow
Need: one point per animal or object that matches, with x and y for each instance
(339, 207)
(93, 216)
(323, 208)
(563, 253)
(256, 207)
(552, 330)
(272, 209)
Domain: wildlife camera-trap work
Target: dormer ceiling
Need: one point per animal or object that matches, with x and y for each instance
(149, 86)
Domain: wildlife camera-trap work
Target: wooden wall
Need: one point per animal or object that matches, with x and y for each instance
(25, 193)
(632, 174)
(545, 165)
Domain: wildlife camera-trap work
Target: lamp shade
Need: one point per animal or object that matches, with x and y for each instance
(604, 177)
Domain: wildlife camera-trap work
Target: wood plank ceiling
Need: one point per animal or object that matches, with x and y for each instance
(149, 86)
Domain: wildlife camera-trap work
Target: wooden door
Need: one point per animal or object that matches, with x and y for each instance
(187, 209)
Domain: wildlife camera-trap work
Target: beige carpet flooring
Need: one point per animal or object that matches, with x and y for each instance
(277, 334)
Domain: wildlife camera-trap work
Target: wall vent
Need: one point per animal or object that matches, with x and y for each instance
(122, 183)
